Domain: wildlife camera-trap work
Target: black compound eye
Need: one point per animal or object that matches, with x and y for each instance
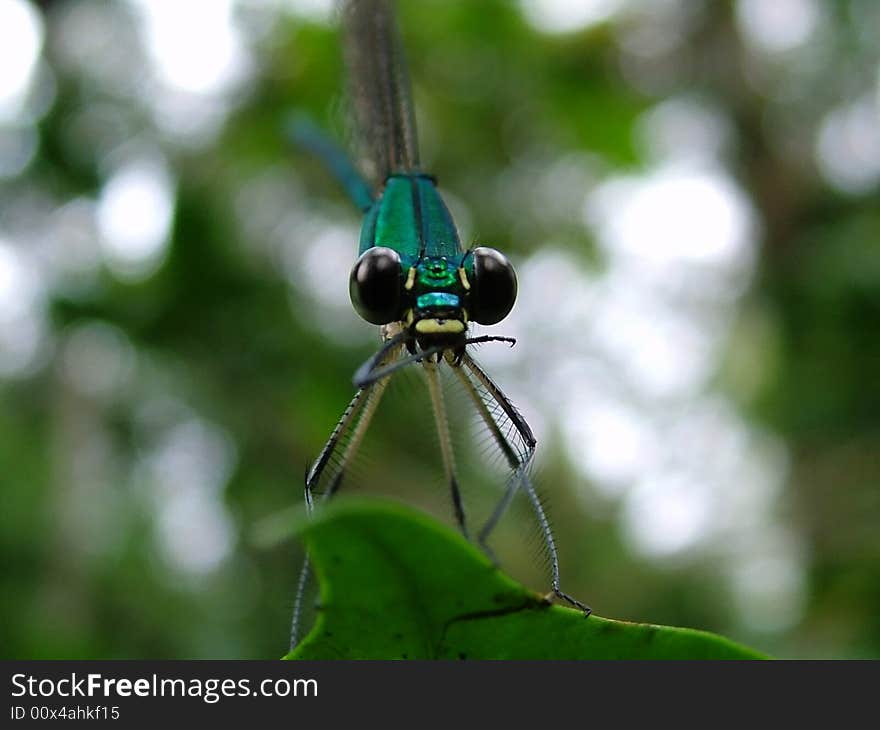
(493, 288)
(374, 285)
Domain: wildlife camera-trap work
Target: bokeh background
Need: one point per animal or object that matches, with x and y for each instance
(688, 190)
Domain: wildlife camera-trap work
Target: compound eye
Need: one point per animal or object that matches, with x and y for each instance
(493, 288)
(374, 285)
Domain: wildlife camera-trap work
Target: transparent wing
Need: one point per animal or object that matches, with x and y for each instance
(516, 444)
(326, 475)
(379, 88)
(508, 440)
(328, 471)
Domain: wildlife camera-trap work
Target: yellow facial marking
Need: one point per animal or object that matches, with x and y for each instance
(410, 278)
(436, 326)
(464, 280)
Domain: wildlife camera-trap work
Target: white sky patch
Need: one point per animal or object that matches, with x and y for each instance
(674, 214)
(194, 45)
(318, 11)
(553, 290)
(317, 260)
(713, 480)
(188, 470)
(568, 16)
(195, 532)
(18, 147)
(662, 349)
(848, 146)
(611, 440)
(683, 129)
(72, 250)
(667, 513)
(193, 120)
(41, 96)
(22, 322)
(326, 265)
(21, 344)
(134, 217)
(99, 42)
(768, 581)
(21, 39)
(776, 26)
(20, 287)
(653, 30)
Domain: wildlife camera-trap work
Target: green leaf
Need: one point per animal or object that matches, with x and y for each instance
(395, 584)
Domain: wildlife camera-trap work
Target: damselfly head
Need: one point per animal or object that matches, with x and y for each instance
(434, 297)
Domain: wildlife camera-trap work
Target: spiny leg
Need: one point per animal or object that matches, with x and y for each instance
(551, 545)
(301, 584)
(445, 442)
(349, 416)
(520, 463)
(510, 455)
(355, 420)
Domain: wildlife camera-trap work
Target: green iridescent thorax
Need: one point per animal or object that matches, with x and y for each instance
(411, 218)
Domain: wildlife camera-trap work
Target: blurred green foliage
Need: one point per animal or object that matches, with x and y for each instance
(218, 335)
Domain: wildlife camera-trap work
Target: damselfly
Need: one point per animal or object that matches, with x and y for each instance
(414, 279)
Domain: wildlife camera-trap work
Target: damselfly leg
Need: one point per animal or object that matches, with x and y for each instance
(439, 408)
(515, 442)
(487, 397)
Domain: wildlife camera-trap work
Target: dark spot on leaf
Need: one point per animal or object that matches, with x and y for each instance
(397, 636)
(404, 656)
(462, 655)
